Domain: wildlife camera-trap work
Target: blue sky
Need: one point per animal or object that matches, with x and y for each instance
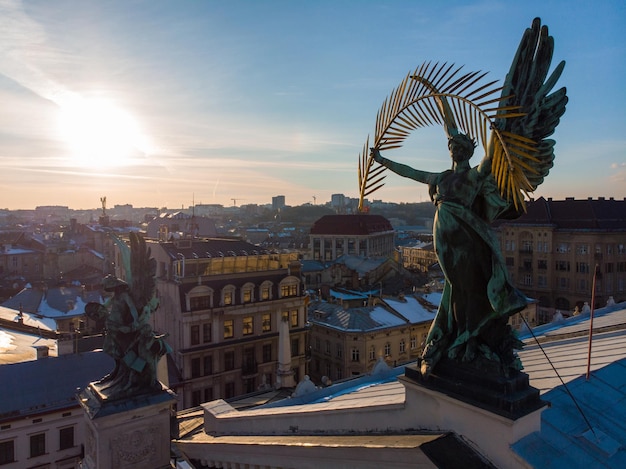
(159, 103)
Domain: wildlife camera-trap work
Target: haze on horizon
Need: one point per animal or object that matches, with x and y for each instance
(162, 104)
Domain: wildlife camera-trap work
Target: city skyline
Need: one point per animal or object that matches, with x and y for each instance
(161, 104)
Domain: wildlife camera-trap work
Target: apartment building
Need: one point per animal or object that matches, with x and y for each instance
(554, 249)
(221, 303)
(349, 336)
(362, 235)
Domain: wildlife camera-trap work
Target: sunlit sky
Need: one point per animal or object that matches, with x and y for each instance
(165, 103)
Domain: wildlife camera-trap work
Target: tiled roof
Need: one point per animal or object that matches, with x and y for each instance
(351, 225)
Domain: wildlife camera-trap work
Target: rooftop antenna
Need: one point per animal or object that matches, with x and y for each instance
(314, 200)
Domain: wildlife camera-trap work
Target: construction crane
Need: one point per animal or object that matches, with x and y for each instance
(235, 201)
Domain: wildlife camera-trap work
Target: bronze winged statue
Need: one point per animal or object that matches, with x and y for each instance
(129, 337)
(512, 123)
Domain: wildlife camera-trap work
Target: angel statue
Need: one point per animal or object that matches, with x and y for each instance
(470, 326)
(129, 337)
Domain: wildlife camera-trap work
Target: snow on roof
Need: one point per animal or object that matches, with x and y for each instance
(412, 309)
(385, 318)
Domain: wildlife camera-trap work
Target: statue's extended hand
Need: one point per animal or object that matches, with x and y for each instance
(375, 153)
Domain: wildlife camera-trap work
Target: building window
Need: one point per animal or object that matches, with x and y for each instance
(295, 347)
(228, 329)
(199, 302)
(582, 249)
(328, 347)
(542, 281)
(208, 365)
(510, 262)
(288, 289)
(562, 248)
(528, 280)
(339, 350)
(318, 344)
(208, 394)
(267, 353)
(372, 353)
(266, 291)
(267, 322)
(66, 438)
(413, 342)
(387, 349)
(355, 355)
(229, 361)
(228, 298)
(248, 327)
(402, 346)
(229, 390)
(7, 451)
(562, 266)
(195, 368)
(247, 293)
(196, 398)
(582, 267)
(37, 445)
(206, 332)
(542, 264)
(294, 318)
(195, 335)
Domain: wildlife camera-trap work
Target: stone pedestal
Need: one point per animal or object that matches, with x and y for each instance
(492, 418)
(132, 432)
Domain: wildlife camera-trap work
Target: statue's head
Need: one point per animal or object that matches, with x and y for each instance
(461, 147)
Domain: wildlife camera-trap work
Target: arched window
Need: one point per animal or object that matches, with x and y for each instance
(289, 287)
(247, 293)
(198, 298)
(228, 295)
(265, 291)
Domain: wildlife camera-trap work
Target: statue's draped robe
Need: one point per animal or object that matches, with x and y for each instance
(477, 292)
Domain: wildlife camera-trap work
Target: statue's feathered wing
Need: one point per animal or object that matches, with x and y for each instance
(528, 87)
(511, 127)
(140, 270)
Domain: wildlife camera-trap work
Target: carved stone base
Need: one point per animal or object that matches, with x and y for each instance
(127, 433)
(510, 396)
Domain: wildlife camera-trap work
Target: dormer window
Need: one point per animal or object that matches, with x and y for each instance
(228, 295)
(266, 291)
(247, 293)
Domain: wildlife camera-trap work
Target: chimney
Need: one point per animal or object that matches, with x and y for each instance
(42, 351)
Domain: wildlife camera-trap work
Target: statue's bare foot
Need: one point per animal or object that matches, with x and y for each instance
(426, 369)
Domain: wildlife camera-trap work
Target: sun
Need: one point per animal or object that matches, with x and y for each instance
(100, 134)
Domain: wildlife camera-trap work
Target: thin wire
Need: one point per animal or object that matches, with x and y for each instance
(559, 376)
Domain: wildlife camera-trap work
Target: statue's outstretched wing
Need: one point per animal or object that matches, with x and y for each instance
(522, 163)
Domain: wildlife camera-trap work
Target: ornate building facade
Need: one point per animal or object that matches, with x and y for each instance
(554, 249)
(221, 303)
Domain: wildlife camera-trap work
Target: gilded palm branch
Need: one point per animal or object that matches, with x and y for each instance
(438, 94)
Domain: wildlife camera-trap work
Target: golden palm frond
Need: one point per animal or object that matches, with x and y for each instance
(439, 94)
